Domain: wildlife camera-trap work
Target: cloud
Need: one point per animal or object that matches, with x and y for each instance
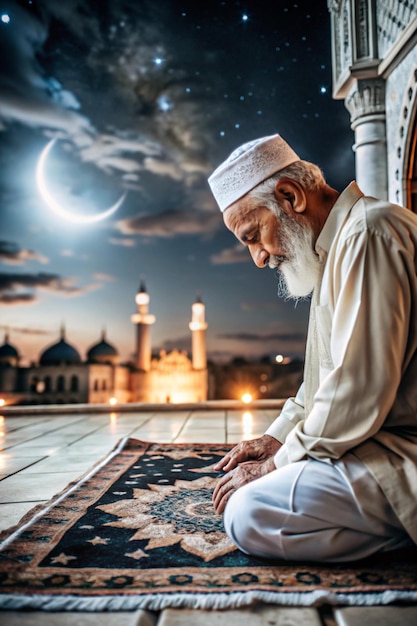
(164, 168)
(26, 331)
(66, 252)
(127, 242)
(69, 288)
(13, 298)
(37, 112)
(168, 224)
(26, 96)
(237, 254)
(21, 288)
(11, 254)
(109, 152)
(102, 276)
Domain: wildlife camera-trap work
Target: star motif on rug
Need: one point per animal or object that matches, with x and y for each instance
(179, 454)
(98, 540)
(169, 514)
(137, 555)
(62, 559)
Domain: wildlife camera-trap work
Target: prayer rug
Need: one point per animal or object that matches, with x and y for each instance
(139, 531)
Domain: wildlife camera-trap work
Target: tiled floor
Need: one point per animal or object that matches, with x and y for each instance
(41, 453)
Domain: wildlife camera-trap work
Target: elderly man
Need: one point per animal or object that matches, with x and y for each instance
(334, 478)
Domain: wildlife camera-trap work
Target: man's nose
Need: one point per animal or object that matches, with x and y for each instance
(259, 256)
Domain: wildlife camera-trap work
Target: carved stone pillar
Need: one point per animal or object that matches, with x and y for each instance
(366, 105)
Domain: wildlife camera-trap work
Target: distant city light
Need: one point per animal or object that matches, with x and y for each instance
(323, 89)
(247, 398)
(5, 18)
(245, 17)
(282, 360)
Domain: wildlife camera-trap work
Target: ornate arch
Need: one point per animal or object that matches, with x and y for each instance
(406, 148)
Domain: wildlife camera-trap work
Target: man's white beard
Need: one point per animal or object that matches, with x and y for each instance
(300, 271)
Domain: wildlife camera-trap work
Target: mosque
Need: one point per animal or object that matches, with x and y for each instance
(61, 377)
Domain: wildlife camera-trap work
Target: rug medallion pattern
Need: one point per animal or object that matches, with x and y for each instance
(142, 525)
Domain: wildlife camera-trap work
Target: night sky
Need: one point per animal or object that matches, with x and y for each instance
(147, 98)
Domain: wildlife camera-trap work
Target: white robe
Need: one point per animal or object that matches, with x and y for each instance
(357, 408)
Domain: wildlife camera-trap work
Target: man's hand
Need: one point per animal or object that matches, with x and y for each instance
(255, 449)
(244, 473)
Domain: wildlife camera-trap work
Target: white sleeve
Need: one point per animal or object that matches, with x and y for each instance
(292, 412)
(371, 311)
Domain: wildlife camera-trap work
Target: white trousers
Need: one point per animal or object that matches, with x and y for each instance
(314, 511)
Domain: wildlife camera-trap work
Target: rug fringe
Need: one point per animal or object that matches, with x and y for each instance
(210, 601)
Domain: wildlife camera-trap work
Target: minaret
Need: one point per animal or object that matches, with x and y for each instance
(198, 328)
(144, 321)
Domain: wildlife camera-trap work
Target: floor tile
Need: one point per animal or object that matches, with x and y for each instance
(94, 448)
(39, 451)
(11, 514)
(59, 463)
(46, 618)
(54, 439)
(32, 487)
(262, 615)
(380, 615)
(9, 464)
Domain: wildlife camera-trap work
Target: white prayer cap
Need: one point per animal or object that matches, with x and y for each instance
(249, 165)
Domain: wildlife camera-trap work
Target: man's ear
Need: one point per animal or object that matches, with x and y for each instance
(294, 194)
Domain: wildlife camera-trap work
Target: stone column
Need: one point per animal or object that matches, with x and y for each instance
(366, 105)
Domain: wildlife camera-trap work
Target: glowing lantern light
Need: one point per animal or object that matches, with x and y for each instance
(247, 398)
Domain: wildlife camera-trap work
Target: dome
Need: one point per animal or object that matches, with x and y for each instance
(61, 353)
(102, 352)
(8, 353)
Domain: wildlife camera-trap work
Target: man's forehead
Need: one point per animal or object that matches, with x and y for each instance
(237, 214)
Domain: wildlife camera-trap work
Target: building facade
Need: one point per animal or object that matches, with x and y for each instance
(374, 59)
(62, 377)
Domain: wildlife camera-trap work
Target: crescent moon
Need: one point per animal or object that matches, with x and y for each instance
(56, 206)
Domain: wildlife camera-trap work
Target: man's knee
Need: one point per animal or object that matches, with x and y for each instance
(237, 518)
(248, 521)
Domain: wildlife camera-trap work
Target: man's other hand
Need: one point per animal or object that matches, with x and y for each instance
(253, 450)
(244, 473)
